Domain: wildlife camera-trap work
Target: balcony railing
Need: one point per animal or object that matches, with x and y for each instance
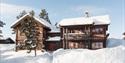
(77, 36)
(83, 36)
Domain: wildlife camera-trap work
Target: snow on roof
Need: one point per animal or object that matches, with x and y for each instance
(97, 20)
(42, 21)
(56, 38)
(54, 29)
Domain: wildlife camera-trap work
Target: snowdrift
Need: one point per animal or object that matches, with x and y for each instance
(107, 55)
(114, 53)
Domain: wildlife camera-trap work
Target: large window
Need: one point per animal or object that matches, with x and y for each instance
(73, 45)
(97, 45)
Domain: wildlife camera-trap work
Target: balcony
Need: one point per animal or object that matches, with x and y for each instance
(76, 36)
(83, 36)
(99, 36)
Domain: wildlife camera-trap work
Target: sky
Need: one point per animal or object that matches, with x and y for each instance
(61, 9)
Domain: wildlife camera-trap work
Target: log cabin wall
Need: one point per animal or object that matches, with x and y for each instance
(20, 37)
(84, 36)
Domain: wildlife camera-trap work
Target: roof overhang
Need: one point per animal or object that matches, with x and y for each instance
(42, 21)
(96, 20)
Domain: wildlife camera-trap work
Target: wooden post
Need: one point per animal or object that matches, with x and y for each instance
(66, 38)
(105, 37)
(17, 39)
(63, 29)
(35, 51)
(90, 36)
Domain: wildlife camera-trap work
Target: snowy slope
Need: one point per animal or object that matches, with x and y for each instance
(115, 53)
(108, 55)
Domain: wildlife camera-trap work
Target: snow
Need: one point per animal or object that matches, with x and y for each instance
(107, 55)
(114, 53)
(56, 38)
(10, 56)
(42, 21)
(75, 21)
(97, 20)
(54, 29)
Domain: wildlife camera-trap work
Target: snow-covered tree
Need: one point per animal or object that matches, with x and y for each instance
(1, 25)
(32, 13)
(44, 15)
(28, 27)
(24, 12)
(21, 14)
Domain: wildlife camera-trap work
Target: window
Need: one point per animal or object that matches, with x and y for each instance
(73, 45)
(98, 30)
(97, 45)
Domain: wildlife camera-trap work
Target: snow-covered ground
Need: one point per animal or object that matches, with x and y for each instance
(115, 53)
(8, 55)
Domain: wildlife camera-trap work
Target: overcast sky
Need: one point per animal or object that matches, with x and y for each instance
(60, 9)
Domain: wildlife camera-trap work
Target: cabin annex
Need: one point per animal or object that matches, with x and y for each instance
(84, 32)
(53, 41)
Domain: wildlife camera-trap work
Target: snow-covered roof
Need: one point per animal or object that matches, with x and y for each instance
(54, 29)
(56, 38)
(97, 20)
(42, 21)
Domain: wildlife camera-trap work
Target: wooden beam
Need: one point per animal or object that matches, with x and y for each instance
(17, 39)
(66, 38)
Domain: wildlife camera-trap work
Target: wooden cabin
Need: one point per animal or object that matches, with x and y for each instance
(42, 26)
(84, 32)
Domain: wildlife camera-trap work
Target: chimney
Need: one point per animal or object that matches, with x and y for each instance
(87, 14)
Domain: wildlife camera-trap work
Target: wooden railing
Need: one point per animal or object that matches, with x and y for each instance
(83, 36)
(76, 36)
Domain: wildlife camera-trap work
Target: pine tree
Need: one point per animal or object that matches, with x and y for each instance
(44, 15)
(32, 13)
(21, 14)
(28, 27)
(1, 25)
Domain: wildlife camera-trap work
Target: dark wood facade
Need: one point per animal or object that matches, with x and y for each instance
(54, 44)
(84, 36)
